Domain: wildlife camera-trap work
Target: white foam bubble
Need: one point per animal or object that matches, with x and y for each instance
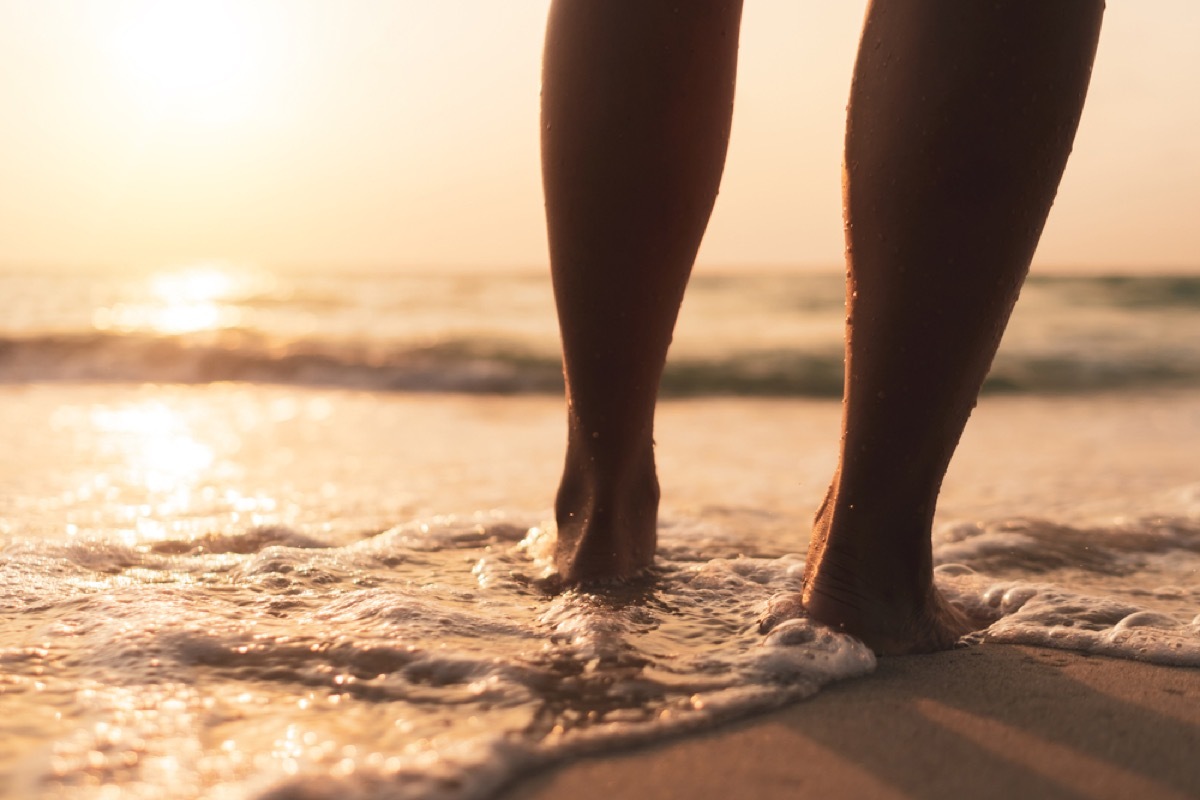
(1049, 616)
(1126, 590)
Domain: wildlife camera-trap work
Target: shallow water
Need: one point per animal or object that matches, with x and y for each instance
(423, 662)
(235, 591)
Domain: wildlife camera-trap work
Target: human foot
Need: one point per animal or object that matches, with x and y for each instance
(879, 589)
(605, 533)
(887, 624)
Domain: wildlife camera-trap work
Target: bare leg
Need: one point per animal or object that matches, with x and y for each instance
(637, 97)
(961, 118)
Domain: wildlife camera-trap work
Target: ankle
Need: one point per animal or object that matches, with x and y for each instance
(607, 520)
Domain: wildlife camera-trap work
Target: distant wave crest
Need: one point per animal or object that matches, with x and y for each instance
(484, 366)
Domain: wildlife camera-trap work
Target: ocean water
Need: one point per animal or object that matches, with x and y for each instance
(742, 335)
(277, 535)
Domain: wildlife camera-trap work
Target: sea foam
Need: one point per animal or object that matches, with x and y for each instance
(425, 661)
(420, 662)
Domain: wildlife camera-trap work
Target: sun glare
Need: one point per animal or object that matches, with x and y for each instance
(200, 284)
(159, 444)
(205, 61)
(195, 298)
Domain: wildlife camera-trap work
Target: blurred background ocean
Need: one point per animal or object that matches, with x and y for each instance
(740, 334)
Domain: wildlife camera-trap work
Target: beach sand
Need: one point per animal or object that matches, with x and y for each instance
(991, 721)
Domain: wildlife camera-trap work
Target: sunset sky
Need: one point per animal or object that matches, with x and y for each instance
(385, 133)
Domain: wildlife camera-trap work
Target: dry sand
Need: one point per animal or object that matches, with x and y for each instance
(991, 721)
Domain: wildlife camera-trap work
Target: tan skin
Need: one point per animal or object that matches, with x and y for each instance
(961, 118)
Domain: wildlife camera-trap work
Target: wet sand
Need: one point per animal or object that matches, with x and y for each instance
(991, 721)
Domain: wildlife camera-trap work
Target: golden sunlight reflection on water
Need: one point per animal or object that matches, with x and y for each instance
(160, 467)
(161, 450)
(196, 297)
(160, 456)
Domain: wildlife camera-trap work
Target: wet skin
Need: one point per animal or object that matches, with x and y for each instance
(960, 122)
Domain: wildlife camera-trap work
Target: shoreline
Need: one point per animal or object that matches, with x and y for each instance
(986, 721)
